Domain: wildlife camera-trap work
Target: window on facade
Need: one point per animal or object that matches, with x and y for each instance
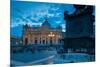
(43, 42)
(40, 41)
(50, 40)
(26, 41)
(59, 41)
(35, 41)
(46, 41)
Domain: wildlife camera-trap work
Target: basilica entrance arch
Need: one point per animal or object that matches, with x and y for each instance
(51, 41)
(26, 41)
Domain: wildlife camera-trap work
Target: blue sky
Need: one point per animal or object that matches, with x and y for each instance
(35, 13)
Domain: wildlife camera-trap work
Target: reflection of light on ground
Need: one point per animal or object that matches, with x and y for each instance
(49, 57)
(44, 57)
(73, 57)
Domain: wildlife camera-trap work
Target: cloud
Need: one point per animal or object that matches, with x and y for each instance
(50, 15)
(22, 21)
(58, 22)
(32, 18)
(63, 30)
(34, 24)
(58, 14)
(30, 23)
(37, 14)
(54, 8)
(63, 27)
(15, 24)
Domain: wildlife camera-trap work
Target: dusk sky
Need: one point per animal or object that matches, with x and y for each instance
(35, 13)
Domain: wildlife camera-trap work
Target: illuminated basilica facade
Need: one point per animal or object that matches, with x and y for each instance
(43, 35)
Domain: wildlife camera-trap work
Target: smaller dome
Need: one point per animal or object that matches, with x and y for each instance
(46, 23)
(26, 26)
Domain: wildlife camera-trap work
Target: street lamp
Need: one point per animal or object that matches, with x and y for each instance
(51, 34)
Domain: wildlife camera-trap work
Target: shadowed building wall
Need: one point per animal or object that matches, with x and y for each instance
(79, 28)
